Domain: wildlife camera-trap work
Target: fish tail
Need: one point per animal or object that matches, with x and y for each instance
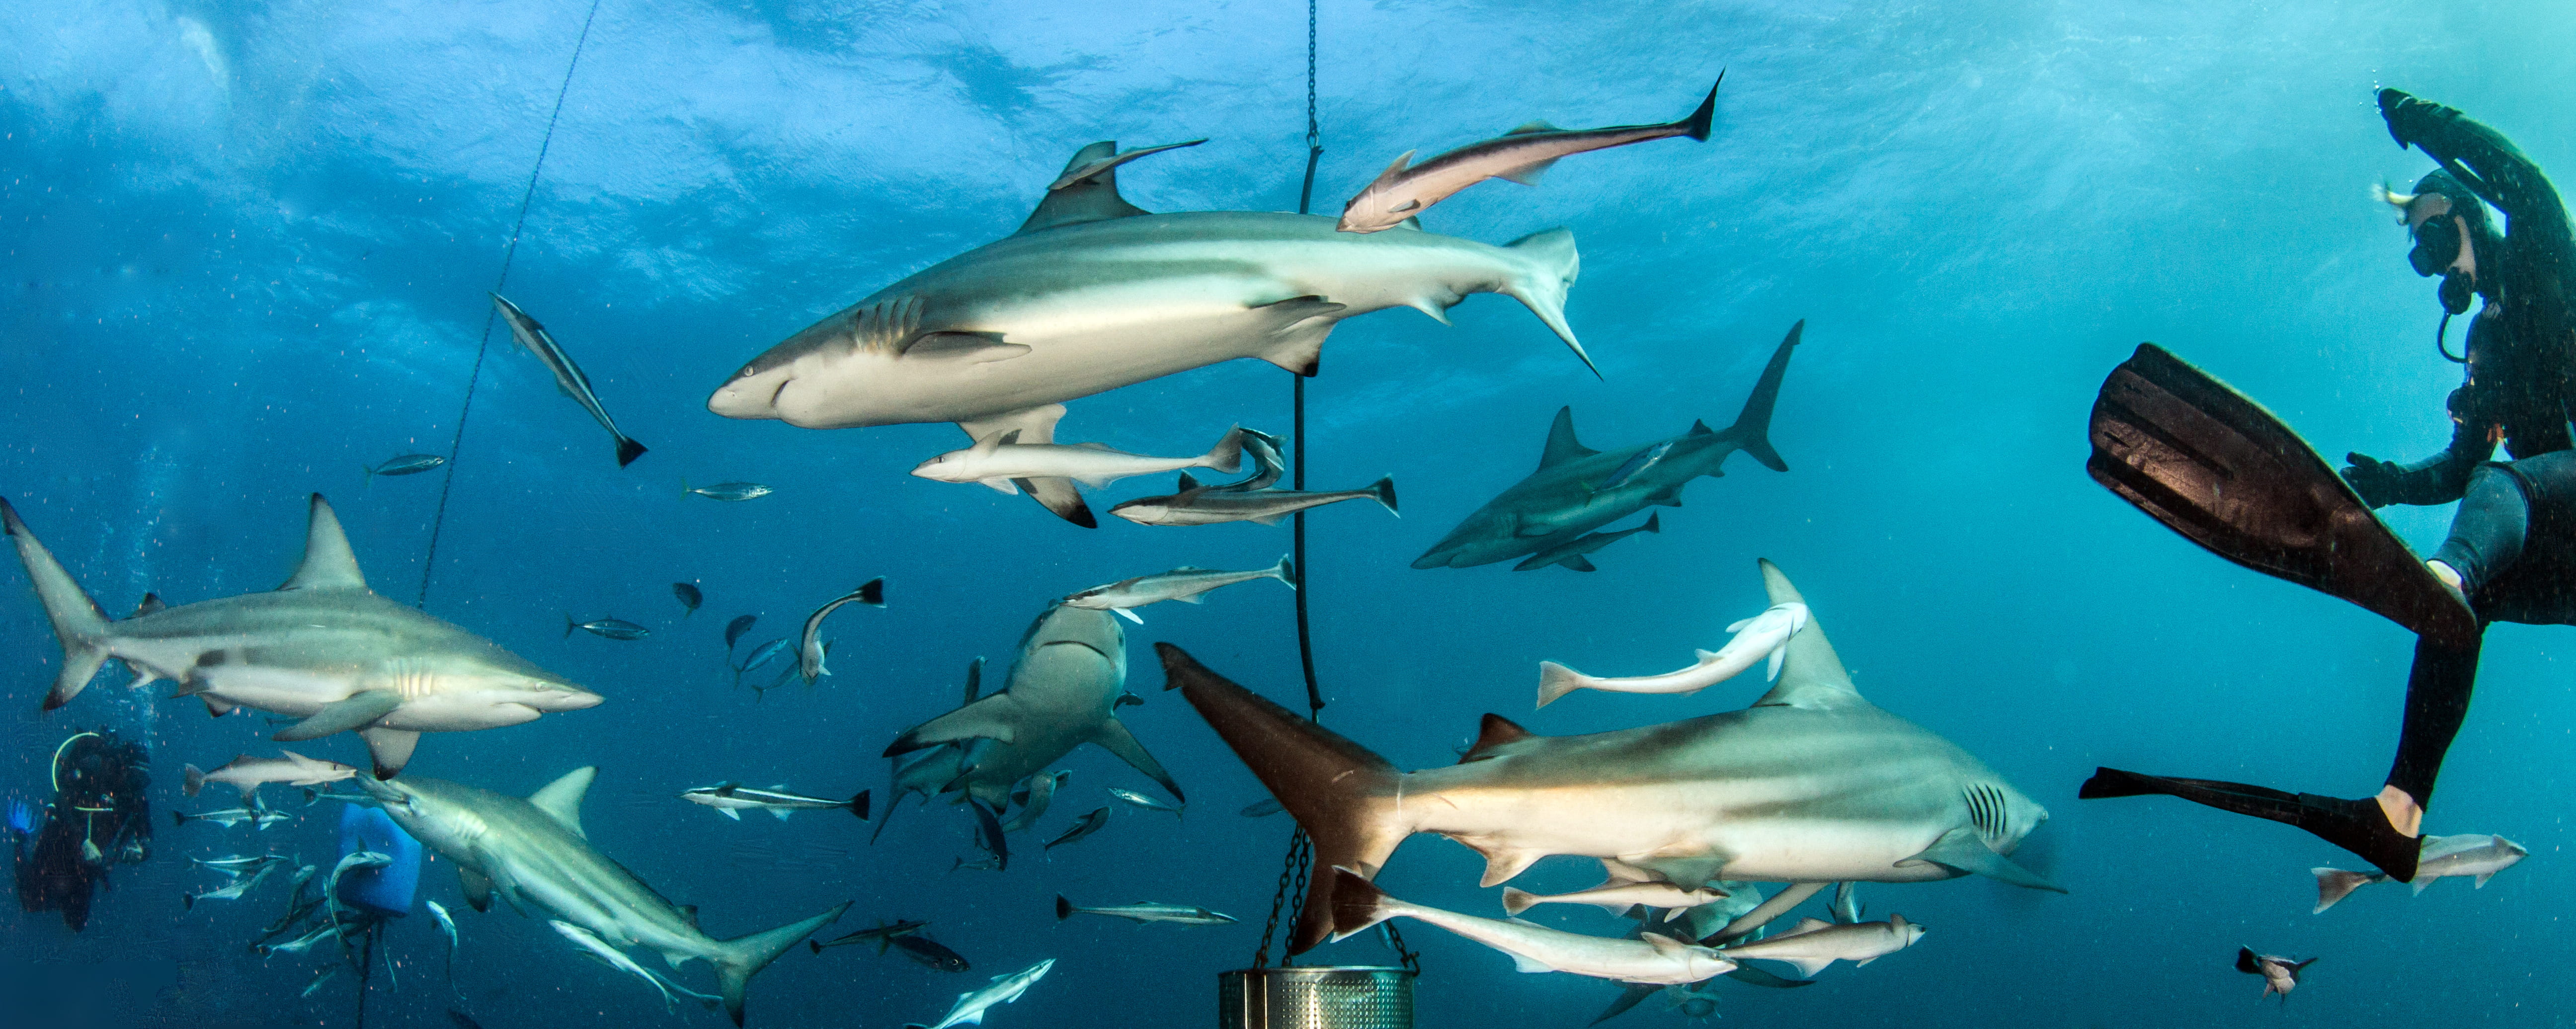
(627, 451)
(1344, 796)
(1516, 900)
(1752, 429)
(1357, 903)
(858, 805)
(195, 780)
(1553, 264)
(1063, 908)
(1227, 455)
(2334, 884)
(1285, 572)
(569, 625)
(742, 957)
(1696, 126)
(1384, 491)
(1556, 680)
(77, 621)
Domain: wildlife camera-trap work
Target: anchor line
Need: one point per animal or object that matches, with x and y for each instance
(447, 481)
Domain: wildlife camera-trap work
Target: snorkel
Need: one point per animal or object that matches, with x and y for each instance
(2437, 215)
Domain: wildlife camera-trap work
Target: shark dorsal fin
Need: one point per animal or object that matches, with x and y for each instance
(1812, 676)
(1530, 127)
(689, 914)
(974, 678)
(151, 603)
(1700, 428)
(1561, 444)
(562, 797)
(1092, 198)
(1495, 732)
(328, 562)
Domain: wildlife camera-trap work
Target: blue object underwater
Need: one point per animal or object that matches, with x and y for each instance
(387, 890)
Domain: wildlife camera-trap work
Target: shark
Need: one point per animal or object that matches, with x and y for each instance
(533, 853)
(1577, 489)
(1062, 692)
(1811, 785)
(322, 648)
(1094, 293)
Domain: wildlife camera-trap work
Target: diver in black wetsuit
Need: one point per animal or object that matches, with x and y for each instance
(100, 816)
(2511, 553)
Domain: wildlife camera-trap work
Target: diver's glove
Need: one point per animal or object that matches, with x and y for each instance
(2408, 117)
(2379, 482)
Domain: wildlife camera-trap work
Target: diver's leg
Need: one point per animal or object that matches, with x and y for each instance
(2355, 825)
(2487, 533)
(2437, 699)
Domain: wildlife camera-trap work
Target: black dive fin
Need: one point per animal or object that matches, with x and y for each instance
(2227, 474)
(2355, 825)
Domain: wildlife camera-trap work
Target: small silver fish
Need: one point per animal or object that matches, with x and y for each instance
(734, 630)
(1141, 800)
(1261, 809)
(445, 924)
(240, 886)
(1089, 824)
(321, 977)
(730, 492)
(613, 628)
(690, 597)
(1145, 913)
(408, 464)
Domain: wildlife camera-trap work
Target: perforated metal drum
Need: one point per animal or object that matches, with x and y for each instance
(1329, 997)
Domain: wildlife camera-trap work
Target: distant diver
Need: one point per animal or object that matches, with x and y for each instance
(2219, 469)
(100, 816)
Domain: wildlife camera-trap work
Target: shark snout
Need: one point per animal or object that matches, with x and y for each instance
(565, 699)
(753, 392)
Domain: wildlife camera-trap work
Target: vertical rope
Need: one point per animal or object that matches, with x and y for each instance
(438, 523)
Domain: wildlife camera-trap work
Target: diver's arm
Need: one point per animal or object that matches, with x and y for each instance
(2439, 479)
(2511, 181)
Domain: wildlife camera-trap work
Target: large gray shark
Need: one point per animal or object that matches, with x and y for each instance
(1093, 293)
(1062, 692)
(1812, 784)
(533, 852)
(1577, 489)
(322, 648)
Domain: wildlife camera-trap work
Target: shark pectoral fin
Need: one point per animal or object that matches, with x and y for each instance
(217, 707)
(1501, 865)
(1006, 486)
(342, 715)
(1060, 497)
(562, 797)
(994, 717)
(1036, 424)
(1756, 977)
(2421, 882)
(1298, 327)
(1961, 850)
(328, 561)
(1113, 737)
(1864, 962)
(2481, 882)
(1129, 614)
(477, 887)
(389, 748)
(962, 347)
(1579, 563)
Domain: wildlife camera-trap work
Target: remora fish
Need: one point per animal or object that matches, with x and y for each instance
(447, 926)
(408, 464)
(2477, 857)
(1185, 584)
(1200, 505)
(568, 376)
(1038, 796)
(246, 773)
(1812, 785)
(323, 648)
(731, 799)
(690, 597)
(1617, 896)
(2280, 974)
(989, 835)
(1093, 293)
(1002, 462)
(1651, 958)
(930, 953)
(809, 650)
(1090, 823)
(533, 852)
(239, 865)
(1571, 552)
(880, 935)
(1765, 635)
(1062, 692)
(613, 628)
(240, 886)
(617, 959)
(1261, 809)
(1521, 155)
(257, 814)
(1814, 943)
(1268, 465)
(1145, 913)
(1003, 990)
(1559, 502)
(729, 492)
(1143, 801)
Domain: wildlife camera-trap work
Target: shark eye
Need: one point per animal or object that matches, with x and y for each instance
(749, 371)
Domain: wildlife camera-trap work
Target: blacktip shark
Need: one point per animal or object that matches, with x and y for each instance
(1522, 155)
(1765, 635)
(568, 376)
(809, 649)
(972, 1005)
(2280, 974)
(1575, 554)
(2475, 857)
(1187, 584)
(1146, 913)
(247, 773)
(1002, 462)
(322, 648)
(1062, 692)
(1649, 958)
(1577, 489)
(1094, 293)
(533, 853)
(1811, 785)
(1814, 943)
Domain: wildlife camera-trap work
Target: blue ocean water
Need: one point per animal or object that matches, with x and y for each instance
(247, 252)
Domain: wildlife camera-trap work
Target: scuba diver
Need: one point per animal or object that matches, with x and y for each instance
(2217, 468)
(99, 817)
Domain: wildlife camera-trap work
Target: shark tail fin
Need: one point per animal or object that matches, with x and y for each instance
(77, 620)
(1553, 265)
(1556, 680)
(742, 957)
(1752, 428)
(1357, 903)
(1342, 794)
(2334, 884)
